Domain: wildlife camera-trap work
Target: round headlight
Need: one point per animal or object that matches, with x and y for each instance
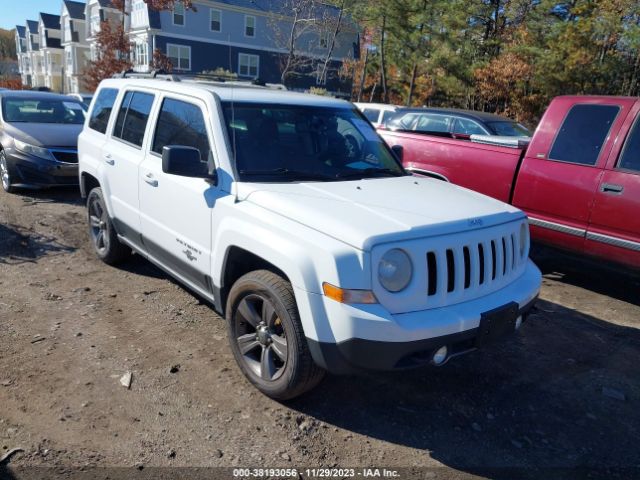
(524, 238)
(395, 270)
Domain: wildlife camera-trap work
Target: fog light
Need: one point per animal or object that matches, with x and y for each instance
(440, 356)
(518, 322)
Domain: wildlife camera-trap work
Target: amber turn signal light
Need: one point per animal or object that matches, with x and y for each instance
(343, 295)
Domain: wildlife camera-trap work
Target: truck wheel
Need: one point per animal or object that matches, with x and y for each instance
(5, 174)
(266, 336)
(103, 236)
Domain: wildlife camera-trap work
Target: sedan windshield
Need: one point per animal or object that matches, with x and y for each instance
(296, 142)
(509, 129)
(29, 110)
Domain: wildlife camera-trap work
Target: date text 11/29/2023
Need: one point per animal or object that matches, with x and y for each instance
(315, 473)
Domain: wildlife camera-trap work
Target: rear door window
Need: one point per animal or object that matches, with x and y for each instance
(102, 109)
(133, 117)
(583, 134)
(434, 123)
(630, 157)
(464, 126)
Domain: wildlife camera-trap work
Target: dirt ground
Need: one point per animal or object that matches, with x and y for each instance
(563, 395)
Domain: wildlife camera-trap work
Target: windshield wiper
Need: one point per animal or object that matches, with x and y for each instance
(286, 172)
(371, 171)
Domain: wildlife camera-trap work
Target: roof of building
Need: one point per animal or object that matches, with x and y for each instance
(22, 31)
(75, 9)
(32, 25)
(282, 7)
(50, 21)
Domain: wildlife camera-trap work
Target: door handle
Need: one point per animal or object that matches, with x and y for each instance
(150, 180)
(108, 159)
(611, 188)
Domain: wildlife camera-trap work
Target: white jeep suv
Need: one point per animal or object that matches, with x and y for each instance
(290, 215)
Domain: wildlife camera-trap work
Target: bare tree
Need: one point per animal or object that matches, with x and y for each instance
(337, 27)
(295, 29)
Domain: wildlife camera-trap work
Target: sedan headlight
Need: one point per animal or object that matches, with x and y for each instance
(33, 150)
(395, 270)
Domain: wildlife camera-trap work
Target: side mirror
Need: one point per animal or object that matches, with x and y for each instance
(185, 162)
(398, 151)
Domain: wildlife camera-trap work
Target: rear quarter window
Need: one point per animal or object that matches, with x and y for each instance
(102, 109)
(583, 133)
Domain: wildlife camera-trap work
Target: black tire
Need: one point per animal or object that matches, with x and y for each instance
(277, 329)
(5, 174)
(104, 238)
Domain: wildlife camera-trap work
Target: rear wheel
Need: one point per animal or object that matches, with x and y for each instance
(266, 336)
(103, 236)
(5, 174)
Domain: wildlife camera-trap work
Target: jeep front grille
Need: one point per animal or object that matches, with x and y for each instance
(471, 266)
(455, 268)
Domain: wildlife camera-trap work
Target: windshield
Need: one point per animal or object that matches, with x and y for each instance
(29, 110)
(297, 142)
(509, 129)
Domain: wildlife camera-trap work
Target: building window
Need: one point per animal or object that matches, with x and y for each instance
(142, 54)
(249, 26)
(180, 56)
(249, 65)
(138, 13)
(178, 14)
(216, 20)
(69, 53)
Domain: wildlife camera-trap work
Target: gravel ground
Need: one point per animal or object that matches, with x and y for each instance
(561, 395)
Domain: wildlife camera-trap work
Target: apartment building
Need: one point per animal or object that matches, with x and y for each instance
(51, 50)
(74, 42)
(246, 37)
(24, 61)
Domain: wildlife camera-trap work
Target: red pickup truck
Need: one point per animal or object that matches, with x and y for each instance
(578, 178)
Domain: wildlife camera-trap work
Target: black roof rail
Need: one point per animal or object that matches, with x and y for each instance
(196, 77)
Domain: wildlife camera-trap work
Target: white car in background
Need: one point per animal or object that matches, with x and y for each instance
(377, 113)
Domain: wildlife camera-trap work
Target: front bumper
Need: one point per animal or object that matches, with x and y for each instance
(367, 337)
(30, 171)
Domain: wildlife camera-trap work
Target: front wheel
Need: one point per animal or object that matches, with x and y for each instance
(104, 238)
(5, 174)
(266, 336)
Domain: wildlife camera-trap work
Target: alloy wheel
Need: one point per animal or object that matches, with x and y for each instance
(261, 337)
(98, 222)
(4, 172)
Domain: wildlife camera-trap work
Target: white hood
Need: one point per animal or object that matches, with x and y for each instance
(368, 212)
